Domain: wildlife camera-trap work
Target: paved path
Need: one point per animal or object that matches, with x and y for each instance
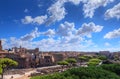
(27, 73)
(23, 77)
(18, 76)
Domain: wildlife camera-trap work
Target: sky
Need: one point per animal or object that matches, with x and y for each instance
(61, 25)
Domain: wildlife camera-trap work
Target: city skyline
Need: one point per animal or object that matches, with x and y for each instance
(61, 25)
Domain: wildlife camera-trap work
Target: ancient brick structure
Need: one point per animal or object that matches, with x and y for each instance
(0, 45)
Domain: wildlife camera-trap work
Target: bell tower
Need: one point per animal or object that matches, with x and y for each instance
(0, 45)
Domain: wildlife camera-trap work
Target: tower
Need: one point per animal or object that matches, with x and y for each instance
(0, 45)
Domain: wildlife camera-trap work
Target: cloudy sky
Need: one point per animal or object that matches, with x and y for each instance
(61, 25)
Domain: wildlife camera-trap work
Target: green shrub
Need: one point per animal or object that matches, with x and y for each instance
(94, 62)
(82, 73)
(112, 67)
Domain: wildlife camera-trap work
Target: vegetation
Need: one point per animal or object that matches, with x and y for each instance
(112, 67)
(0, 70)
(116, 58)
(6, 63)
(71, 61)
(81, 73)
(102, 57)
(93, 71)
(94, 62)
(83, 58)
(63, 63)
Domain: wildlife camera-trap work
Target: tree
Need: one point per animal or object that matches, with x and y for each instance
(6, 63)
(112, 67)
(81, 73)
(107, 62)
(63, 63)
(71, 61)
(0, 70)
(102, 57)
(116, 57)
(94, 62)
(83, 59)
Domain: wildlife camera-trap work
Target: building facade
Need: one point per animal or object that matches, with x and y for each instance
(0, 45)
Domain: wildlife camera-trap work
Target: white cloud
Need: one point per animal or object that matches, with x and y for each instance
(75, 2)
(31, 35)
(107, 44)
(37, 20)
(51, 44)
(119, 42)
(91, 5)
(66, 29)
(68, 40)
(26, 10)
(113, 34)
(25, 40)
(4, 43)
(40, 19)
(40, 5)
(57, 11)
(3, 40)
(62, 39)
(112, 49)
(49, 33)
(14, 42)
(89, 28)
(27, 20)
(113, 12)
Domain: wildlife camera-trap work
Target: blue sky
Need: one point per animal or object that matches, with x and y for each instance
(61, 25)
